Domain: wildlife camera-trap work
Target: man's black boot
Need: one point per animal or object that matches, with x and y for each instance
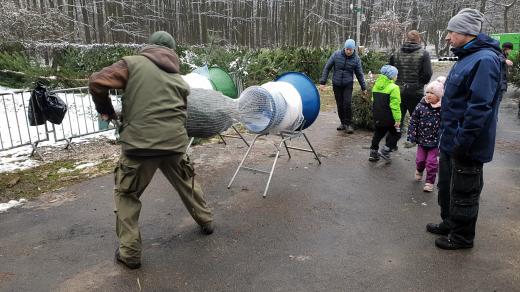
(129, 264)
(448, 244)
(340, 127)
(439, 229)
(207, 228)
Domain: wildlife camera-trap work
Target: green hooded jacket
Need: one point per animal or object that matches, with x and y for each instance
(386, 102)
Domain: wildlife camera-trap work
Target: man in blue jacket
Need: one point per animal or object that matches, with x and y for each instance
(346, 63)
(468, 127)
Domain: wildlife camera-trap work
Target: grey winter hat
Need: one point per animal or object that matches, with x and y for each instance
(467, 21)
(162, 38)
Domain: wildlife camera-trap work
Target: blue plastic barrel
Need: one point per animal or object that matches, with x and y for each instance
(308, 92)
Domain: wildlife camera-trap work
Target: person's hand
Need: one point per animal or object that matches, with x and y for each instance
(322, 87)
(364, 95)
(509, 63)
(107, 117)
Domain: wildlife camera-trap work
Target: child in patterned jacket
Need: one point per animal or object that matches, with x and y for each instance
(424, 129)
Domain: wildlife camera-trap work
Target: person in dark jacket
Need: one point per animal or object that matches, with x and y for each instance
(424, 130)
(469, 114)
(346, 63)
(152, 136)
(415, 71)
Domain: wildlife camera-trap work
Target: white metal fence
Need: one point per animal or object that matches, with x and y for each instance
(81, 119)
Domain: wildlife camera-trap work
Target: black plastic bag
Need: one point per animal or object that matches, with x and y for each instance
(45, 106)
(54, 109)
(35, 111)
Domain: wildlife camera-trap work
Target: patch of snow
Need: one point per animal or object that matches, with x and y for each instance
(19, 158)
(5, 89)
(86, 165)
(11, 204)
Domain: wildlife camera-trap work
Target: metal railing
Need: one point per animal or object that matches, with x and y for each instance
(15, 130)
(81, 119)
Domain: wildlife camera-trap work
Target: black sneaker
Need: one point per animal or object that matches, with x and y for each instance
(341, 127)
(437, 229)
(385, 153)
(446, 243)
(349, 129)
(207, 228)
(374, 155)
(129, 264)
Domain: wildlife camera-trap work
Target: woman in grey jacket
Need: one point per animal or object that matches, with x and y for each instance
(346, 63)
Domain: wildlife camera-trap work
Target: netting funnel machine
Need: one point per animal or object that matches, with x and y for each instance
(284, 107)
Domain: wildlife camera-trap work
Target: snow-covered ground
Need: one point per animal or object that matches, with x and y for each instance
(19, 158)
(11, 204)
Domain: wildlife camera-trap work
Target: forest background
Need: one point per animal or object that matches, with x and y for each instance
(255, 40)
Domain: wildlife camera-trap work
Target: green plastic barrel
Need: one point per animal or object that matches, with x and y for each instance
(222, 82)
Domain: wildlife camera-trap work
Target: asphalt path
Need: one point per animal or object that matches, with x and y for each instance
(344, 225)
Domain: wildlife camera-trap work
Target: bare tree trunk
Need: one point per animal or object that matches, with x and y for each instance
(86, 25)
(100, 17)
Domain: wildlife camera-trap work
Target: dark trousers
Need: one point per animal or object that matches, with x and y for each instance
(408, 103)
(380, 132)
(460, 185)
(343, 95)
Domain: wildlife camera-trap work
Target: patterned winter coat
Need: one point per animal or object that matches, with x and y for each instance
(425, 123)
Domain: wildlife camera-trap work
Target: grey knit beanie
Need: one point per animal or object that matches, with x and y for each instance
(467, 21)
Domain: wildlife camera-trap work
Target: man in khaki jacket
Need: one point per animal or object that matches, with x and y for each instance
(152, 136)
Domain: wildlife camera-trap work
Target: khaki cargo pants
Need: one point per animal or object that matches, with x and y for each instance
(132, 176)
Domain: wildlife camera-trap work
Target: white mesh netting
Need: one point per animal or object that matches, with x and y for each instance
(260, 111)
(209, 113)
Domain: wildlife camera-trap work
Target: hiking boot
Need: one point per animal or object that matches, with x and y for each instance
(418, 175)
(428, 187)
(408, 144)
(374, 155)
(131, 264)
(341, 127)
(439, 229)
(385, 153)
(207, 228)
(349, 129)
(447, 243)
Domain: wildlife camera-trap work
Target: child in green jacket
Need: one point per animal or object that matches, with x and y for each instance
(386, 108)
